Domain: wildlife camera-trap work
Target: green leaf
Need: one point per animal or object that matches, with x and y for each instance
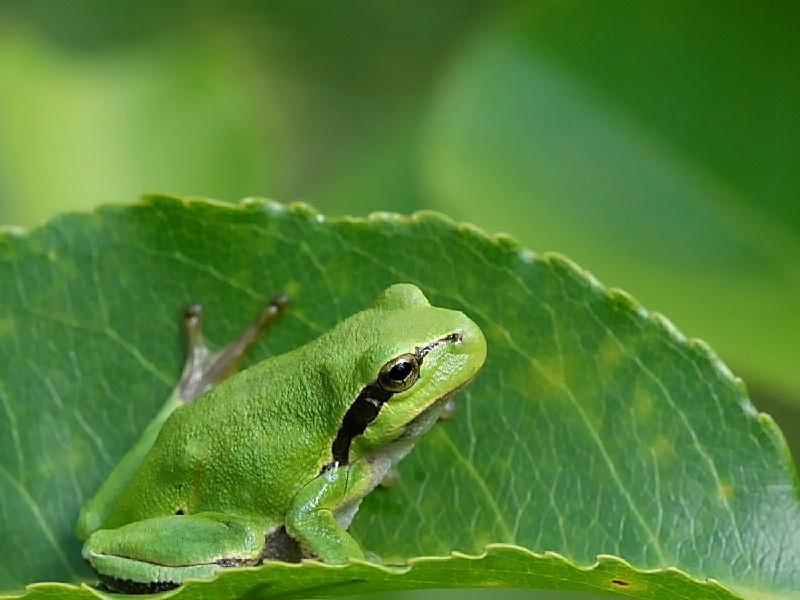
(501, 566)
(594, 429)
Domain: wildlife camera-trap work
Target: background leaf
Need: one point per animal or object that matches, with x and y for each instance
(594, 428)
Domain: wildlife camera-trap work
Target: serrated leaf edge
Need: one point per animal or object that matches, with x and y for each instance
(603, 561)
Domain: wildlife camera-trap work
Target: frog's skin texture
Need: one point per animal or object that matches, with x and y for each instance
(273, 462)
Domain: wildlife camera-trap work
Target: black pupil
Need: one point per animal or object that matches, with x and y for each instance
(400, 371)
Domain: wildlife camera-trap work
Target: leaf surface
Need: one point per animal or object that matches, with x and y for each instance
(595, 428)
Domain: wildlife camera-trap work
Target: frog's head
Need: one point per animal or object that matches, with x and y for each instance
(416, 357)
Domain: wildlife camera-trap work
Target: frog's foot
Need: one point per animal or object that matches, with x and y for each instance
(373, 558)
(159, 554)
(449, 410)
(391, 478)
(204, 369)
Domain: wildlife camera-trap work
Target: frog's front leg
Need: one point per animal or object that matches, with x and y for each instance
(323, 509)
(158, 554)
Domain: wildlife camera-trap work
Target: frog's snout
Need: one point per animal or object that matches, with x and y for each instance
(472, 342)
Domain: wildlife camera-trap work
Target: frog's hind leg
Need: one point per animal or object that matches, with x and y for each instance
(160, 553)
(204, 369)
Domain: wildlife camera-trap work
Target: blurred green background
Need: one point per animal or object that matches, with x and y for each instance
(657, 144)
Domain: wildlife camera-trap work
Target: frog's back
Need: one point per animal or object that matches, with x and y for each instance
(244, 447)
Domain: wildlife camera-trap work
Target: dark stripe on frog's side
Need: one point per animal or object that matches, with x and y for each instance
(360, 414)
(366, 407)
(422, 351)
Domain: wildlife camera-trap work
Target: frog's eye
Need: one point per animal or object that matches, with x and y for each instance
(399, 374)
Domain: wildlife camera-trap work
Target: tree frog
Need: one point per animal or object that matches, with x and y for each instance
(272, 462)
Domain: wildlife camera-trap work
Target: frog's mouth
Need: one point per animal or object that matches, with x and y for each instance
(424, 420)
